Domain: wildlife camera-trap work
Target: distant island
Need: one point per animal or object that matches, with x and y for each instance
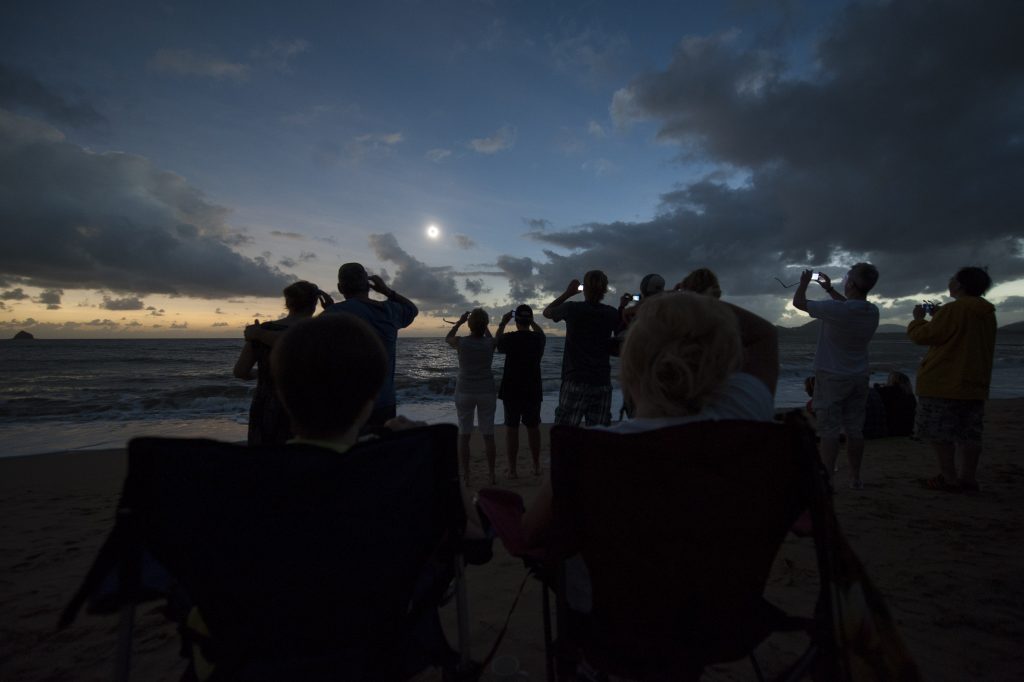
(22, 335)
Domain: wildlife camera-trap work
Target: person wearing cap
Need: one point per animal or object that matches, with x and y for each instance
(385, 317)
(521, 391)
(586, 393)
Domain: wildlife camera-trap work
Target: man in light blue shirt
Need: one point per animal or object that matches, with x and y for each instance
(386, 318)
(848, 321)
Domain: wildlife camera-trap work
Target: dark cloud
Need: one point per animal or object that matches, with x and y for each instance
(287, 262)
(521, 279)
(287, 235)
(155, 312)
(306, 256)
(219, 324)
(14, 295)
(537, 224)
(432, 288)
(19, 90)
(176, 325)
(464, 242)
(120, 223)
(126, 303)
(904, 146)
(475, 286)
(50, 298)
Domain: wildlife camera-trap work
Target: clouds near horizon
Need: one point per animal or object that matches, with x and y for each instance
(72, 218)
(904, 145)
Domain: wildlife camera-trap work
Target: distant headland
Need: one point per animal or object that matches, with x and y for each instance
(23, 335)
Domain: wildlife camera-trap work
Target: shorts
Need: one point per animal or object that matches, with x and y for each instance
(584, 402)
(483, 404)
(945, 420)
(527, 411)
(840, 401)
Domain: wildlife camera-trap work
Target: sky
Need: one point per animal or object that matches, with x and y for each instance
(166, 169)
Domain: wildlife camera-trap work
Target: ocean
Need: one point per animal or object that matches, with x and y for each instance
(88, 394)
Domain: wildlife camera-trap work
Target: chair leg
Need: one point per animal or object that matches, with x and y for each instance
(549, 654)
(125, 630)
(757, 668)
(462, 613)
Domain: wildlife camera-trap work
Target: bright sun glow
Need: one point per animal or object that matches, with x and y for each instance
(433, 232)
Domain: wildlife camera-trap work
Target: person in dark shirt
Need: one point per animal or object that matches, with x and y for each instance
(268, 422)
(521, 391)
(586, 392)
(900, 404)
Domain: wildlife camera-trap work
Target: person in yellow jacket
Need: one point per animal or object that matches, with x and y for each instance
(953, 379)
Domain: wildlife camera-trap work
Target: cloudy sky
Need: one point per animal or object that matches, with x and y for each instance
(167, 168)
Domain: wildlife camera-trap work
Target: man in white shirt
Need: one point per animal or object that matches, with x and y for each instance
(848, 321)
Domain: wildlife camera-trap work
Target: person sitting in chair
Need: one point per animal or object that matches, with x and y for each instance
(688, 358)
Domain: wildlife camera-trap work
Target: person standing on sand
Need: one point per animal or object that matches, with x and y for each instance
(586, 392)
(474, 388)
(521, 391)
(953, 379)
(841, 373)
(268, 422)
(386, 318)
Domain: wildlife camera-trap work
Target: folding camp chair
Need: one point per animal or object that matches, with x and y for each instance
(678, 528)
(301, 563)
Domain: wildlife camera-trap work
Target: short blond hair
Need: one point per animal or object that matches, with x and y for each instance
(680, 349)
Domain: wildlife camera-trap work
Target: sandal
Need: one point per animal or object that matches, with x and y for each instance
(940, 483)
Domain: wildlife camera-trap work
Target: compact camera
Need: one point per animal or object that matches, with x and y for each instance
(635, 297)
(929, 307)
(818, 277)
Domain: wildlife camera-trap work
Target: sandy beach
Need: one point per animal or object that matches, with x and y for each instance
(950, 565)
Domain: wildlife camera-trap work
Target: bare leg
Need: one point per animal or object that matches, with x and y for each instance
(945, 453)
(829, 451)
(533, 436)
(490, 450)
(855, 454)
(970, 454)
(512, 449)
(464, 454)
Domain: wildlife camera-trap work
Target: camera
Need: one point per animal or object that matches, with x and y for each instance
(929, 307)
(635, 297)
(818, 277)
(579, 288)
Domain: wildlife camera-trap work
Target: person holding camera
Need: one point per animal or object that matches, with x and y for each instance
(586, 392)
(954, 376)
(521, 390)
(841, 373)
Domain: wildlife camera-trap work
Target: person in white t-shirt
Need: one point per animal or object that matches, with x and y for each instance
(841, 371)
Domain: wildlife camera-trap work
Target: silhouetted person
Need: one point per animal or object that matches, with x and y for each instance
(586, 392)
(386, 318)
(521, 390)
(900, 404)
(841, 369)
(954, 377)
(268, 422)
(474, 388)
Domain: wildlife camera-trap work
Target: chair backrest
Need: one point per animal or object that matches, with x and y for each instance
(296, 552)
(678, 528)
